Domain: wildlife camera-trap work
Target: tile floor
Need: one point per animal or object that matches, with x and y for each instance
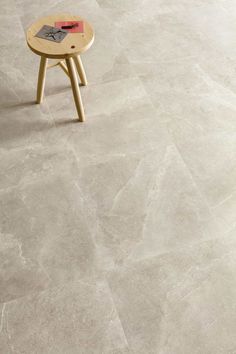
(118, 235)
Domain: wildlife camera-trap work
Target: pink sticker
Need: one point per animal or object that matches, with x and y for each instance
(71, 26)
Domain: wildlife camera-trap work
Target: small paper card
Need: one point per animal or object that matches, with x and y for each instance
(51, 34)
(71, 26)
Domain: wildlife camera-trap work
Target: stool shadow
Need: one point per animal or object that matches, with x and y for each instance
(52, 91)
(67, 121)
(19, 105)
(15, 126)
(18, 130)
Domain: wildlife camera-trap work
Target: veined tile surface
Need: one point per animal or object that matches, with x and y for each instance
(117, 236)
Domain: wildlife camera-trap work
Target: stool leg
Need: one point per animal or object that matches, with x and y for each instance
(41, 79)
(75, 88)
(64, 68)
(80, 69)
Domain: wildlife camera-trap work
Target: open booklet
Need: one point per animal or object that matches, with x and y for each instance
(52, 33)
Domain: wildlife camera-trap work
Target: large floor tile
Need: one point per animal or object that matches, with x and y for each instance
(15, 35)
(75, 318)
(103, 99)
(24, 125)
(168, 84)
(20, 63)
(225, 211)
(156, 209)
(152, 35)
(181, 302)
(49, 220)
(8, 7)
(23, 166)
(217, 24)
(141, 195)
(132, 129)
(19, 276)
(12, 93)
(201, 120)
(204, 131)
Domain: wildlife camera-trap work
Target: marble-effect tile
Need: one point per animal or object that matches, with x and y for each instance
(181, 302)
(117, 236)
(79, 318)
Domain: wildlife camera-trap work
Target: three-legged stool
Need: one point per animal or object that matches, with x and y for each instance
(67, 55)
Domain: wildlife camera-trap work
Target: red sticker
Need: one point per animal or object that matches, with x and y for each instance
(71, 26)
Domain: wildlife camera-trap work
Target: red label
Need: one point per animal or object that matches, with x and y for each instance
(71, 26)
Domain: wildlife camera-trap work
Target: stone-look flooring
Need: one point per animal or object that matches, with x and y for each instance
(117, 236)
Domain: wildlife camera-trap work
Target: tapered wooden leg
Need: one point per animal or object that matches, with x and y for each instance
(80, 69)
(64, 68)
(75, 88)
(41, 79)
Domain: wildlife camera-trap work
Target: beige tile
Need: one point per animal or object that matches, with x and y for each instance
(217, 22)
(23, 124)
(49, 220)
(21, 63)
(225, 211)
(155, 5)
(201, 121)
(8, 7)
(181, 302)
(23, 166)
(74, 318)
(174, 83)
(152, 36)
(157, 209)
(104, 99)
(142, 194)
(205, 133)
(30, 11)
(133, 129)
(19, 275)
(211, 159)
(11, 92)
(14, 36)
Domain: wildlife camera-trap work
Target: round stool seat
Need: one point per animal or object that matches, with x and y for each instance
(72, 45)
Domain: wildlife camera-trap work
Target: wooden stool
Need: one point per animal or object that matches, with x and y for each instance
(67, 54)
